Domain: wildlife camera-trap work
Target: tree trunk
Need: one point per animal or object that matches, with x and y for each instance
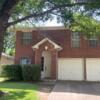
(4, 17)
(3, 27)
(2, 31)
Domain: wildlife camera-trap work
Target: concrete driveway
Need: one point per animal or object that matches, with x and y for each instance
(75, 91)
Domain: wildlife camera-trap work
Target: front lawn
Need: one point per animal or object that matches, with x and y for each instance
(19, 91)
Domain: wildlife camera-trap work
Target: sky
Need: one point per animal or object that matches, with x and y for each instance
(50, 23)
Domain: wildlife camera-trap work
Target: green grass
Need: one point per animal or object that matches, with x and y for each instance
(19, 91)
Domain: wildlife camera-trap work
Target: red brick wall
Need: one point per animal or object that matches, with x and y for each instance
(84, 51)
(38, 54)
(22, 50)
(61, 37)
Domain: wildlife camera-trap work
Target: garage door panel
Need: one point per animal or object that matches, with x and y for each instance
(70, 69)
(93, 69)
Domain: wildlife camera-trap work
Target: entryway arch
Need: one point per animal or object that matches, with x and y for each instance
(47, 51)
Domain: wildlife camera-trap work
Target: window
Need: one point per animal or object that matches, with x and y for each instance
(25, 60)
(93, 42)
(26, 38)
(75, 39)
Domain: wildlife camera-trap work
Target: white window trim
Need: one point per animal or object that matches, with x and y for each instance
(26, 38)
(74, 40)
(93, 39)
(23, 60)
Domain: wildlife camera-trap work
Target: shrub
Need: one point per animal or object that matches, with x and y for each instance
(36, 72)
(21, 72)
(31, 72)
(26, 72)
(17, 72)
(13, 72)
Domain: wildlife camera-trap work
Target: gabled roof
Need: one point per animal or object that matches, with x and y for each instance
(56, 46)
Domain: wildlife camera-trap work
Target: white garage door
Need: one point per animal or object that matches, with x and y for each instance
(70, 69)
(93, 69)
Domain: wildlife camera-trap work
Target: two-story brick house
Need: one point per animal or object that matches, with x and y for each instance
(62, 54)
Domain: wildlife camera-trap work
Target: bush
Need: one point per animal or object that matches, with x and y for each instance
(31, 72)
(13, 72)
(26, 72)
(36, 72)
(21, 72)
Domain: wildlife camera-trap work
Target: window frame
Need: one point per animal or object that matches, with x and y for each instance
(75, 39)
(96, 42)
(28, 61)
(26, 38)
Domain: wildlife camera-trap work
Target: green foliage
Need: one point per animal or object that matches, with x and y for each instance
(36, 71)
(26, 7)
(31, 72)
(11, 51)
(27, 72)
(66, 12)
(9, 43)
(21, 72)
(86, 25)
(13, 72)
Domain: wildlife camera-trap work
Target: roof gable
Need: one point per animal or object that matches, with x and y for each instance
(56, 46)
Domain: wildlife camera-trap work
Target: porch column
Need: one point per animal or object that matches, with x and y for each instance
(54, 57)
(37, 57)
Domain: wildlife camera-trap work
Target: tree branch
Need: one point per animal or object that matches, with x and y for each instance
(49, 11)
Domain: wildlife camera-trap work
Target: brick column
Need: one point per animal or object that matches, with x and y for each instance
(54, 56)
(37, 57)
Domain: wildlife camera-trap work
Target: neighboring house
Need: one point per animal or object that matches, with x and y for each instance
(62, 54)
(6, 59)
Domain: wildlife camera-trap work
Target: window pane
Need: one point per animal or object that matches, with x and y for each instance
(75, 35)
(93, 42)
(75, 43)
(25, 60)
(26, 38)
(75, 40)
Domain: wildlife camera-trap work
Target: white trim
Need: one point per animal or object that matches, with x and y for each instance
(56, 46)
(30, 29)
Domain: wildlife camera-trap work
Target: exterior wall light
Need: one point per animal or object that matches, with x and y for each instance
(46, 47)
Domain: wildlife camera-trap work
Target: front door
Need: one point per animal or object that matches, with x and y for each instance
(47, 63)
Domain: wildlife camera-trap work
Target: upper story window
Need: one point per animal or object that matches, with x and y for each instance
(75, 40)
(93, 42)
(26, 38)
(25, 60)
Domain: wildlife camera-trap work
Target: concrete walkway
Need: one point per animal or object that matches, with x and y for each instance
(75, 91)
